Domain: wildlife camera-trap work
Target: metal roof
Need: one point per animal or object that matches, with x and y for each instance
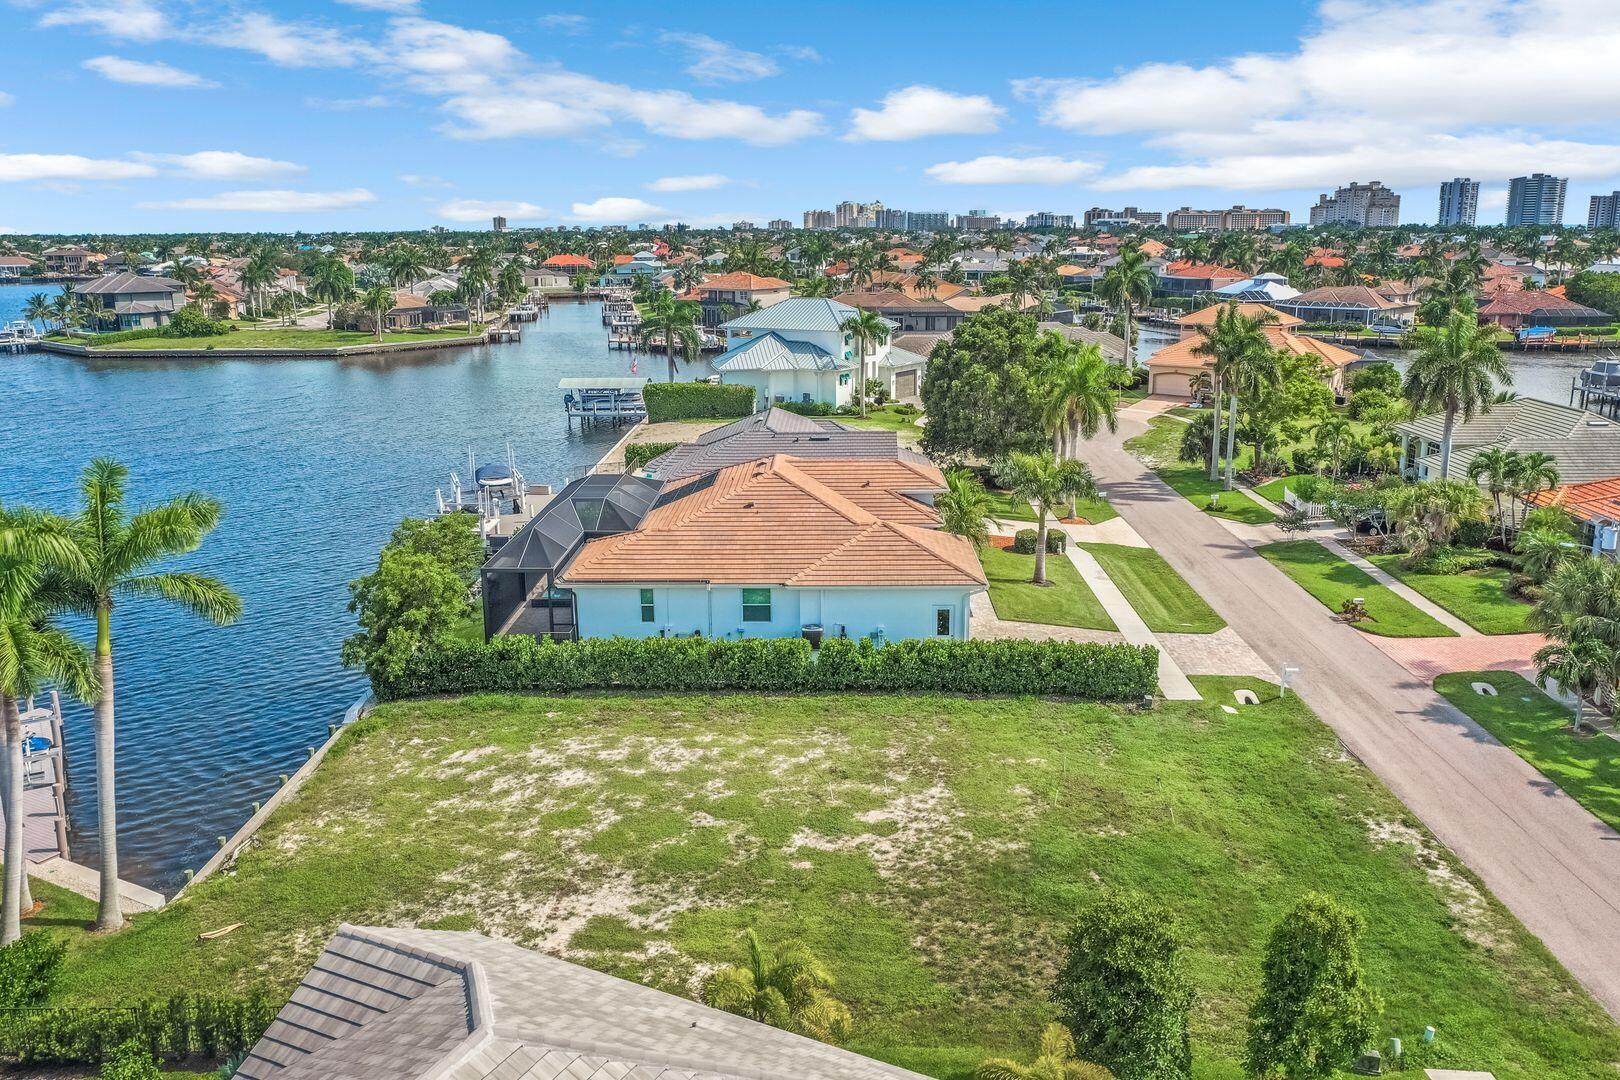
(805, 313)
(774, 431)
(597, 505)
(772, 352)
(387, 1004)
(128, 283)
(604, 382)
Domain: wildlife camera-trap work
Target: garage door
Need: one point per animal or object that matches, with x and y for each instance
(905, 384)
(1172, 383)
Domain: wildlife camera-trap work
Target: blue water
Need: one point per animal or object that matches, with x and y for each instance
(316, 461)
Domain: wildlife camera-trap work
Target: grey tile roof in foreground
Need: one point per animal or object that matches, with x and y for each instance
(774, 431)
(414, 1004)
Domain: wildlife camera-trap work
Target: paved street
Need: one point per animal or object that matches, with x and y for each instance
(1550, 861)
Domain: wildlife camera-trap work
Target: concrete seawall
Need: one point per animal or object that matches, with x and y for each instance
(62, 348)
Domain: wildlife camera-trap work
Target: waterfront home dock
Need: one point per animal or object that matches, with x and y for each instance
(44, 783)
(605, 398)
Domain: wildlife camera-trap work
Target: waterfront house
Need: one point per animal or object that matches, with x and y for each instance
(798, 351)
(908, 313)
(725, 296)
(1186, 278)
(546, 280)
(776, 431)
(71, 260)
(569, 264)
(1176, 369)
(1262, 288)
(1584, 445)
(1515, 310)
(408, 1004)
(1357, 305)
(627, 269)
(13, 267)
(137, 300)
(1595, 506)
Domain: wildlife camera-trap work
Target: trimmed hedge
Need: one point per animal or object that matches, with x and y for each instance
(178, 1027)
(638, 454)
(697, 401)
(1089, 671)
(1024, 541)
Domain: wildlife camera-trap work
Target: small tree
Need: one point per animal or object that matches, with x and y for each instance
(1123, 992)
(1047, 483)
(1055, 1061)
(791, 990)
(1315, 1011)
(132, 1060)
(965, 508)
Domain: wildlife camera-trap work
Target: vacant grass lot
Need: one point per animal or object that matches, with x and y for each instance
(930, 850)
(278, 339)
(1157, 448)
(1160, 595)
(1479, 597)
(886, 418)
(1067, 601)
(1333, 581)
(1536, 728)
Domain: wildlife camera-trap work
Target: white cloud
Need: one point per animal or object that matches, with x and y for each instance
(807, 53)
(612, 211)
(131, 20)
(916, 111)
(419, 180)
(370, 101)
(270, 202)
(222, 165)
(394, 7)
(146, 73)
(17, 167)
(287, 44)
(712, 61)
(448, 56)
(564, 22)
(706, 182)
(483, 210)
(995, 169)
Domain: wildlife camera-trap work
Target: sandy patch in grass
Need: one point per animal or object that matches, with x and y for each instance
(1463, 899)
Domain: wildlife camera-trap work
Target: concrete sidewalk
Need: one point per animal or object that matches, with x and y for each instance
(1173, 682)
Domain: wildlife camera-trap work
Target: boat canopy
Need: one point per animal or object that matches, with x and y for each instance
(605, 382)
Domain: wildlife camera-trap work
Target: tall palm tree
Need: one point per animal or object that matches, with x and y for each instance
(257, 277)
(37, 309)
(676, 321)
(477, 278)
(32, 653)
(869, 329)
(1226, 343)
(1047, 482)
(1126, 285)
(1082, 398)
(1494, 469)
(1333, 436)
(377, 302)
(331, 283)
(115, 554)
(1455, 371)
(1579, 666)
(406, 265)
(1252, 372)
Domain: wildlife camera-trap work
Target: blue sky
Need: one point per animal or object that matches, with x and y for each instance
(135, 115)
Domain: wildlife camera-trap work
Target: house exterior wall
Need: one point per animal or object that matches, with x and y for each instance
(775, 387)
(682, 610)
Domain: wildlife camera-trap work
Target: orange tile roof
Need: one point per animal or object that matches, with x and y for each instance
(1187, 268)
(740, 281)
(1332, 262)
(1594, 500)
(790, 521)
(1246, 308)
(1180, 353)
(1152, 248)
(568, 260)
(620, 260)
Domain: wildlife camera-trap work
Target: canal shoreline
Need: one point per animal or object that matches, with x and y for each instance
(62, 348)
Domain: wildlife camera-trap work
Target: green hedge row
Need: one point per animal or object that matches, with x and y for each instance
(697, 401)
(178, 1027)
(1090, 671)
(638, 454)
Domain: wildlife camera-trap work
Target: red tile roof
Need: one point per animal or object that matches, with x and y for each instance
(1534, 301)
(739, 281)
(1592, 501)
(569, 260)
(1188, 268)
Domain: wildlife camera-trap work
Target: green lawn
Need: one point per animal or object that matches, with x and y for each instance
(1536, 728)
(1160, 595)
(1478, 597)
(1157, 448)
(278, 339)
(886, 418)
(1009, 507)
(1273, 489)
(1067, 601)
(1333, 581)
(930, 850)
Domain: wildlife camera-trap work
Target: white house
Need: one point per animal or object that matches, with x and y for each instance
(798, 351)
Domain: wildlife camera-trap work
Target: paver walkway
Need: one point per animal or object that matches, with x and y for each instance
(1428, 658)
(1554, 865)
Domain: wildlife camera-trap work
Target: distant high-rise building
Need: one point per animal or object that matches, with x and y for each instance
(742, 226)
(1371, 205)
(498, 223)
(1237, 219)
(1605, 212)
(1537, 199)
(1045, 219)
(859, 215)
(927, 220)
(819, 219)
(779, 225)
(978, 219)
(1098, 218)
(889, 219)
(1459, 201)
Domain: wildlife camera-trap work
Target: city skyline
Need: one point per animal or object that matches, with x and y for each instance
(378, 114)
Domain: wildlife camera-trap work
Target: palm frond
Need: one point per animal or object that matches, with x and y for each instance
(67, 663)
(730, 990)
(175, 528)
(198, 593)
(1000, 1069)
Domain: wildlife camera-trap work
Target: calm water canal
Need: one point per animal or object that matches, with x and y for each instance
(316, 461)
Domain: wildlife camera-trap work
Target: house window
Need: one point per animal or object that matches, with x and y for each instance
(756, 605)
(942, 622)
(646, 605)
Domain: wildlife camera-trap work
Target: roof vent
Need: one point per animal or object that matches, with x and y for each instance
(1597, 423)
(748, 506)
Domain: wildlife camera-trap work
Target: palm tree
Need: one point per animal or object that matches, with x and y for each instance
(477, 277)
(115, 553)
(792, 990)
(1125, 285)
(37, 309)
(1455, 371)
(1533, 471)
(965, 508)
(332, 283)
(1025, 279)
(1493, 469)
(377, 302)
(1047, 482)
(1579, 667)
(406, 266)
(1229, 343)
(32, 653)
(868, 328)
(1082, 398)
(1334, 435)
(816, 285)
(257, 276)
(1427, 514)
(676, 321)
(1054, 1060)
(509, 282)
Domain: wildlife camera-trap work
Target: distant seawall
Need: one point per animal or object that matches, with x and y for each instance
(62, 348)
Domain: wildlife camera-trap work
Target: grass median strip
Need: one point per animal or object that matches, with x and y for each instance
(1158, 447)
(1067, 601)
(1534, 726)
(1333, 581)
(1477, 597)
(1160, 595)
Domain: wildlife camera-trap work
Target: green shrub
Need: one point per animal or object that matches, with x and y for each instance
(1088, 671)
(1450, 561)
(637, 455)
(28, 969)
(130, 1062)
(809, 408)
(1024, 541)
(1364, 403)
(697, 401)
(906, 409)
(176, 1027)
